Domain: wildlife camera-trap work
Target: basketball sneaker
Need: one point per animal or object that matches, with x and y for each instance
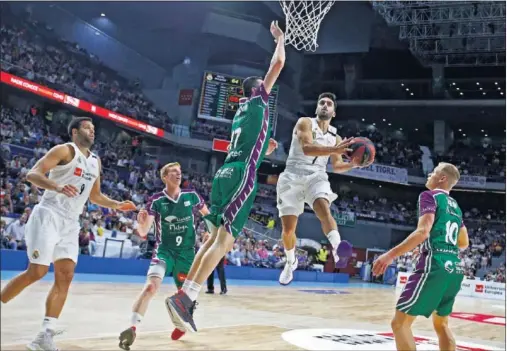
(127, 338)
(181, 309)
(342, 254)
(178, 333)
(43, 341)
(287, 274)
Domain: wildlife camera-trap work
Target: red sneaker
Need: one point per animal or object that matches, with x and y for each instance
(177, 334)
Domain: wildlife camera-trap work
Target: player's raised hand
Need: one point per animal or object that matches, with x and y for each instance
(142, 217)
(68, 190)
(126, 206)
(273, 145)
(276, 31)
(381, 263)
(343, 146)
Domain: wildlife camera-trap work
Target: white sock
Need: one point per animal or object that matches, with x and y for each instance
(291, 256)
(334, 238)
(135, 319)
(192, 289)
(49, 323)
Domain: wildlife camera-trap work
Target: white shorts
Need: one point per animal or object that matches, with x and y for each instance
(50, 238)
(157, 269)
(294, 190)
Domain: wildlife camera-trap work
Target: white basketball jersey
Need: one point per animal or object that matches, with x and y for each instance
(81, 172)
(297, 160)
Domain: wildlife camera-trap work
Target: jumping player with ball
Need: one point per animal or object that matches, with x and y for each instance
(314, 142)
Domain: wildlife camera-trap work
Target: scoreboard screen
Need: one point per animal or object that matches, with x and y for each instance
(220, 96)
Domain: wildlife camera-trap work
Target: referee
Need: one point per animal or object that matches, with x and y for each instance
(221, 276)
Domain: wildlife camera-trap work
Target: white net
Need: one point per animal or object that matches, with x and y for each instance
(302, 22)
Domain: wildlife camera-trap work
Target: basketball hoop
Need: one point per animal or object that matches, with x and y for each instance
(303, 20)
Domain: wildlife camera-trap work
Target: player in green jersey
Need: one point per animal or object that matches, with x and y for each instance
(172, 212)
(433, 286)
(235, 184)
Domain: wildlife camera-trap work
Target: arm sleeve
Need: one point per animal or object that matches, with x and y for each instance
(426, 203)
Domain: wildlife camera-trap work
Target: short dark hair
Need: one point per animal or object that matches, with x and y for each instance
(330, 96)
(250, 83)
(76, 124)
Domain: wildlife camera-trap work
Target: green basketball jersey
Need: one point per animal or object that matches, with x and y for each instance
(443, 239)
(250, 130)
(174, 219)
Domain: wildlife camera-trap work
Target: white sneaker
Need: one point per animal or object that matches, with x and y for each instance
(287, 275)
(43, 342)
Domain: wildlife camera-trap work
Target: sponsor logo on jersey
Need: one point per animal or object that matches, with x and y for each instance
(225, 172)
(362, 340)
(176, 224)
(174, 219)
(187, 203)
(403, 279)
(479, 288)
(78, 172)
(448, 266)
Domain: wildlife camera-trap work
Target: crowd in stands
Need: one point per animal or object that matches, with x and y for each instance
(54, 62)
(477, 158)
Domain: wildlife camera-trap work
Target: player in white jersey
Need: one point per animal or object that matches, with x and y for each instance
(52, 232)
(314, 142)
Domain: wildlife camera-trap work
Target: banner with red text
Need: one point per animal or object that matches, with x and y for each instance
(63, 98)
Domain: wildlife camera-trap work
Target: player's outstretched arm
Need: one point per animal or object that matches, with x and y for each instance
(337, 161)
(37, 175)
(305, 137)
(463, 238)
(278, 59)
(98, 198)
(410, 243)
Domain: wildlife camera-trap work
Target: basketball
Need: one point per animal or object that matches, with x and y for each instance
(362, 149)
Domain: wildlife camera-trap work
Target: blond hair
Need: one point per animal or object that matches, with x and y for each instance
(451, 172)
(165, 169)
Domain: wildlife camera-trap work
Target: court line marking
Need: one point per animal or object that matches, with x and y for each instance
(58, 340)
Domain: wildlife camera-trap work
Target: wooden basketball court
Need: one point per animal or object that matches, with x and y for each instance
(248, 318)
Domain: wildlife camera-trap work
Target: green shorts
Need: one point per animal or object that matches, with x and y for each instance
(232, 196)
(167, 262)
(431, 289)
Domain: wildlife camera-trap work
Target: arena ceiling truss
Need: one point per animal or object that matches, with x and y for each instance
(452, 33)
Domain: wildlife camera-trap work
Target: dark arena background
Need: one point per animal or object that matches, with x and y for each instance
(424, 80)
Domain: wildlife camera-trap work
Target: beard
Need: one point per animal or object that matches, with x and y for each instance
(324, 116)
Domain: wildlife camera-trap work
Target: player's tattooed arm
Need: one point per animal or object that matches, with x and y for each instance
(98, 198)
(337, 161)
(58, 155)
(305, 138)
(410, 243)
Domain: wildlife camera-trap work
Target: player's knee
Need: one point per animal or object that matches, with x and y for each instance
(151, 288)
(440, 324)
(63, 277)
(396, 324)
